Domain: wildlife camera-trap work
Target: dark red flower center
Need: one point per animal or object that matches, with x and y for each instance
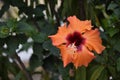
(76, 39)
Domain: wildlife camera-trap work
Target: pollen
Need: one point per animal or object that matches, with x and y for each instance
(72, 47)
(75, 41)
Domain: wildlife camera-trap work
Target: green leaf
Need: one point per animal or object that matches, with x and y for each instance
(50, 63)
(112, 6)
(12, 24)
(12, 44)
(47, 45)
(35, 61)
(117, 45)
(47, 27)
(118, 64)
(23, 27)
(22, 38)
(81, 73)
(37, 49)
(40, 37)
(112, 31)
(90, 70)
(105, 23)
(104, 75)
(95, 75)
(64, 71)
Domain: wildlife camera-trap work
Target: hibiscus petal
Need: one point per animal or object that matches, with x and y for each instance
(93, 40)
(83, 57)
(67, 54)
(77, 25)
(60, 37)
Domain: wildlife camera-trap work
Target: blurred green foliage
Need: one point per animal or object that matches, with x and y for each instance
(42, 21)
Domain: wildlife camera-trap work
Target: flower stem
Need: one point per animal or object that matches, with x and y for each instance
(27, 74)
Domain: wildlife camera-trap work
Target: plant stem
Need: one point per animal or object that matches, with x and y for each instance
(27, 74)
(52, 7)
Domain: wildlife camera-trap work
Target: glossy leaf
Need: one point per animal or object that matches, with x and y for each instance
(95, 75)
(36, 20)
(81, 73)
(40, 37)
(47, 45)
(104, 75)
(118, 64)
(23, 27)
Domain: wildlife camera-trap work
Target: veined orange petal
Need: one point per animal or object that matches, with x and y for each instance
(80, 40)
(77, 25)
(93, 40)
(83, 57)
(60, 36)
(67, 54)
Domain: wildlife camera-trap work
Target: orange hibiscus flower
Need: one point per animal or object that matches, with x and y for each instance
(77, 41)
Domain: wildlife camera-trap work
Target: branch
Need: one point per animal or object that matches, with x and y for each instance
(52, 7)
(27, 74)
